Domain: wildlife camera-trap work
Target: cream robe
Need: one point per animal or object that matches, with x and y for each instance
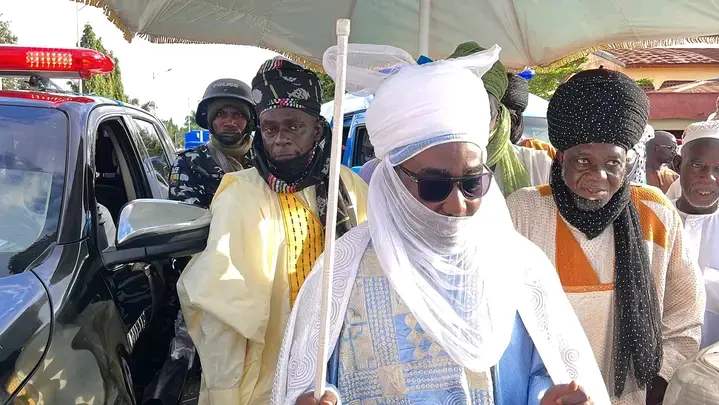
(590, 286)
(235, 295)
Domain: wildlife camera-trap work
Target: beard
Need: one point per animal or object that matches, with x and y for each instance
(586, 205)
(229, 139)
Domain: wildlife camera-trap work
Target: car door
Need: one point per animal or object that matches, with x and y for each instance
(154, 149)
(135, 289)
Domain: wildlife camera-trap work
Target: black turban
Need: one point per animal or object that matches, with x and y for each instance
(597, 106)
(280, 83)
(517, 95)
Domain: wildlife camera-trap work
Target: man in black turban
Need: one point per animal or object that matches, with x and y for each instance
(268, 229)
(617, 247)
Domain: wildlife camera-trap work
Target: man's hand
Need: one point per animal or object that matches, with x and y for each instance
(566, 394)
(309, 399)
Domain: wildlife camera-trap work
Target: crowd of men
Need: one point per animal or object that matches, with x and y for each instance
(473, 266)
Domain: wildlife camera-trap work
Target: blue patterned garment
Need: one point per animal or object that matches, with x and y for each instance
(383, 357)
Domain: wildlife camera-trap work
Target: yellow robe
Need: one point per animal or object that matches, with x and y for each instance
(586, 270)
(235, 295)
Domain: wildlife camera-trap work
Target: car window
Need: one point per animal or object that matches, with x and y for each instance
(32, 175)
(365, 150)
(156, 164)
(536, 128)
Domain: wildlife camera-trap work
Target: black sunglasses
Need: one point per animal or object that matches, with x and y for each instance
(436, 189)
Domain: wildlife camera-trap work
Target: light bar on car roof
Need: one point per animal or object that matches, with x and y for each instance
(53, 62)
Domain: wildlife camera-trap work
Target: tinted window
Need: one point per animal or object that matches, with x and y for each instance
(157, 167)
(32, 175)
(536, 128)
(364, 146)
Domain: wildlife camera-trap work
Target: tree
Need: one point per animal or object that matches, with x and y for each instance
(545, 84)
(7, 37)
(176, 133)
(190, 120)
(328, 86)
(646, 83)
(149, 106)
(103, 85)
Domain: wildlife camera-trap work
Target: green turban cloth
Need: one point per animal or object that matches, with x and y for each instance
(495, 80)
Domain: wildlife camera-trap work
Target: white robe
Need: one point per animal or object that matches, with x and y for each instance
(543, 307)
(701, 234)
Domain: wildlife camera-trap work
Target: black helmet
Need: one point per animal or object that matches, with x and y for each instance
(224, 88)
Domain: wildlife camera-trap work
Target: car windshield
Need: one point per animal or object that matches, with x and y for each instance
(32, 172)
(536, 128)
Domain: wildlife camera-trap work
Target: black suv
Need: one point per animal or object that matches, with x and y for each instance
(87, 289)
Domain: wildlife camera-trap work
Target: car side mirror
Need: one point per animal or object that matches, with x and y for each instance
(151, 229)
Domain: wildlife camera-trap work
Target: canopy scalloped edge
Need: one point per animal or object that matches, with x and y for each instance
(314, 65)
(159, 39)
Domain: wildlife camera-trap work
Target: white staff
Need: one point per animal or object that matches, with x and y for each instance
(343, 33)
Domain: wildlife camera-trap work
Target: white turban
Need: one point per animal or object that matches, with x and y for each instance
(418, 106)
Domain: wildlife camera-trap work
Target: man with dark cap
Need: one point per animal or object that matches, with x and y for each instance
(617, 246)
(514, 166)
(660, 153)
(226, 110)
(267, 231)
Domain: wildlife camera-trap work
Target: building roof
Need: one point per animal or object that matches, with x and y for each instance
(663, 56)
(697, 87)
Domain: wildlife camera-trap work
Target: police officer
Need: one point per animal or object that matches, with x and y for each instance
(227, 111)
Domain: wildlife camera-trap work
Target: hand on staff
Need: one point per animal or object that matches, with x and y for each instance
(309, 399)
(566, 394)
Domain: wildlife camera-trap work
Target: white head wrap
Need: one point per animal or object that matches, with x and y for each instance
(418, 106)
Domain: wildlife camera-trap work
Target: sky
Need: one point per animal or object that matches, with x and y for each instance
(52, 23)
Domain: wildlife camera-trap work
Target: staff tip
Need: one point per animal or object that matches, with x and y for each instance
(343, 26)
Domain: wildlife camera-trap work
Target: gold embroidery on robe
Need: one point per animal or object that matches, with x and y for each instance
(305, 240)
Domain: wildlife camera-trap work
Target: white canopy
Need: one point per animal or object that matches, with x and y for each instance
(530, 32)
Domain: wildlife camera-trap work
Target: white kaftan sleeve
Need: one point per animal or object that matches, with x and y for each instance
(684, 302)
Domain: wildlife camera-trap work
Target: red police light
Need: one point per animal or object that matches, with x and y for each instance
(53, 98)
(53, 62)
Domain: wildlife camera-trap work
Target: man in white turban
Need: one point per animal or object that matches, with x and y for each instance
(429, 305)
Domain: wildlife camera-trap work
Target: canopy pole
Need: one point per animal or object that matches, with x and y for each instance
(425, 12)
(343, 33)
